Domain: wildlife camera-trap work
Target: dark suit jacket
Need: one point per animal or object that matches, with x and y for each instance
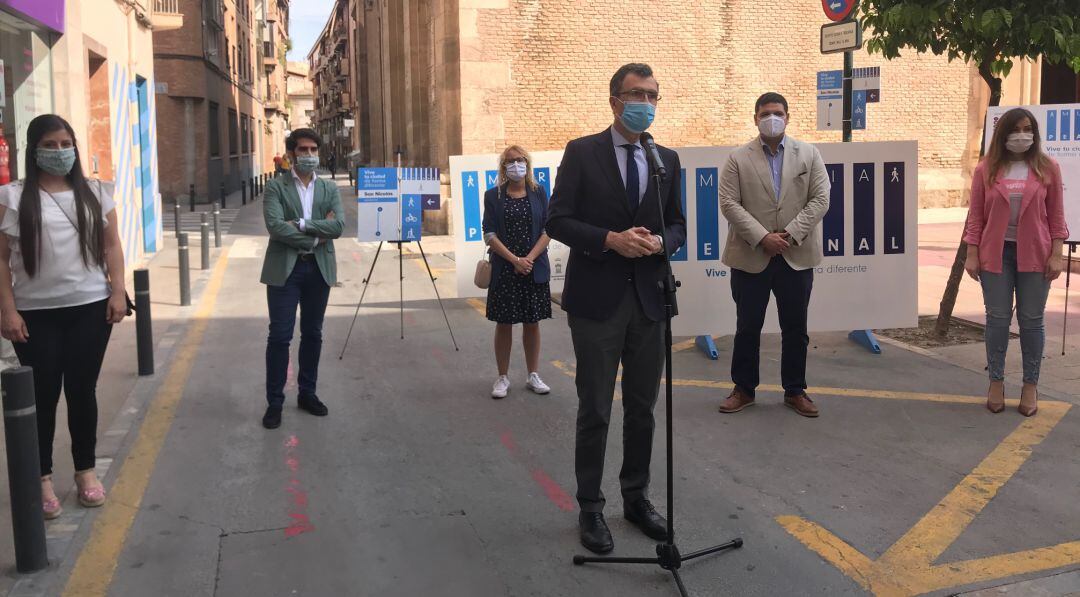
(589, 200)
(495, 221)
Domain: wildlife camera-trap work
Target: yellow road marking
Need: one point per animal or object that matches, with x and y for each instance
(96, 565)
(479, 305)
(907, 568)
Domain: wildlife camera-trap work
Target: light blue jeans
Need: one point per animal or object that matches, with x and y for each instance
(1031, 289)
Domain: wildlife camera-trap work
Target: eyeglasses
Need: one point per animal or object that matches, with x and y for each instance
(641, 95)
(515, 161)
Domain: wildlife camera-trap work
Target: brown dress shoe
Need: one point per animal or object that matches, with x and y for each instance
(736, 401)
(801, 404)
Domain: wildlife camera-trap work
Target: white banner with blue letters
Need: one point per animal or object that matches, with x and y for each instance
(868, 279)
(1059, 125)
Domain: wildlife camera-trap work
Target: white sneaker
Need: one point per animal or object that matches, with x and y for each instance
(502, 384)
(536, 384)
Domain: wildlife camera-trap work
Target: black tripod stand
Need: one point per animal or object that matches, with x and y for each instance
(667, 553)
(401, 292)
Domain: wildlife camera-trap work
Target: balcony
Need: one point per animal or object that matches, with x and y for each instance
(215, 13)
(167, 15)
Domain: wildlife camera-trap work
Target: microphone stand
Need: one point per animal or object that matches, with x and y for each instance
(667, 553)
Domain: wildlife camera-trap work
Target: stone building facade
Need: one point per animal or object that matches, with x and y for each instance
(221, 99)
(435, 78)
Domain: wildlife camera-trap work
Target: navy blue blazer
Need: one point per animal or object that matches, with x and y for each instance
(589, 199)
(495, 221)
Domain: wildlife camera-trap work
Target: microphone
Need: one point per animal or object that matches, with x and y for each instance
(654, 154)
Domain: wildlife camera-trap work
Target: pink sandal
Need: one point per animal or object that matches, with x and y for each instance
(90, 497)
(50, 507)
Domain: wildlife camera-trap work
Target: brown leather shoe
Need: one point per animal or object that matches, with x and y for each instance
(801, 404)
(736, 401)
(1029, 400)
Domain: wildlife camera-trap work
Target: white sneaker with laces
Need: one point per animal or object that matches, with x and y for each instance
(502, 385)
(536, 384)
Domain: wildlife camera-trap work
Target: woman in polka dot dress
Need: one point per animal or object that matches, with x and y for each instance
(514, 214)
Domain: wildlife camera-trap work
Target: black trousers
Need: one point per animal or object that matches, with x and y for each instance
(306, 288)
(629, 337)
(66, 349)
(751, 293)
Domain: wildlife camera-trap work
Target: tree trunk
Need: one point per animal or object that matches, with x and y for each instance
(956, 275)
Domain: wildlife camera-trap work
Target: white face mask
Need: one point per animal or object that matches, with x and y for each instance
(516, 171)
(772, 126)
(1019, 142)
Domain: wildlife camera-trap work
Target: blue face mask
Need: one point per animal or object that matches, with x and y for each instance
(638, 116)
(306, 164)
(57, 162)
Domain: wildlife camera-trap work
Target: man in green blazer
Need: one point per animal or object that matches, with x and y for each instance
(303, 216)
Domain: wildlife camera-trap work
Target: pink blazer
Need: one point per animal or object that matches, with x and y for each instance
(1042, 219)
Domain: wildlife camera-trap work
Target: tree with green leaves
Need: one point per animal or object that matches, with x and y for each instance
(990, 34)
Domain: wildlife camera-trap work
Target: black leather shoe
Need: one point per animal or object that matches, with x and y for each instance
(313, 405)
(595, 535)
(272, 418)
(646, 518)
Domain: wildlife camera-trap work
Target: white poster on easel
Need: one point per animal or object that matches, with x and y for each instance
(1060, 128)
(868, 279)
(378, 204)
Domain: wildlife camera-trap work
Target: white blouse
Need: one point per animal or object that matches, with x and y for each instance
(62, 279)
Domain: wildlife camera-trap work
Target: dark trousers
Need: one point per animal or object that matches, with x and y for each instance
(751, 293)
(632, 338)
(66, 349)
(307, 289)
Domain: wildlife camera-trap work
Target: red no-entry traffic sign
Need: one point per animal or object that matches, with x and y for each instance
(838, 10)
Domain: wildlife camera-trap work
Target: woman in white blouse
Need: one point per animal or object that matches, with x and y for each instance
(61, 291)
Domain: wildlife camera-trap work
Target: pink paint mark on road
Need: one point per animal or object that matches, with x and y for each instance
(554, 491)
(300, 525)
(298, 498)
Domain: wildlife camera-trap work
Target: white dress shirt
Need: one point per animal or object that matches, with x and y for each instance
(307, 200)
(642, 169)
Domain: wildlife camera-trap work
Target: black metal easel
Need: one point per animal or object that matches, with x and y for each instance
(401, 291)
(1068, 278)
(667, 553)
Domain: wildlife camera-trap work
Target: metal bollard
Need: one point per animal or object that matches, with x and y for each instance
(24, 469)
(185, 269)
(191, 196)
(243, 192)
(176, 215)
(217, 226)
(223, 198)
(205, 228)
(144, 331)
(254, 188)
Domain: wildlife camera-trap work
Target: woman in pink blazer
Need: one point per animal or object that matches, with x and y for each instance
(1015, 230)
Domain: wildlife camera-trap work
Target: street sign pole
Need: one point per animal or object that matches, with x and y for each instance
(849, 66)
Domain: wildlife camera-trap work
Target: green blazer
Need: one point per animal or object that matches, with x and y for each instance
(281, 207)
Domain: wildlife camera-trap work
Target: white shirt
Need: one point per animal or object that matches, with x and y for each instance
(62, 279)
(307, 200)
(1015, 180)
(642, 168)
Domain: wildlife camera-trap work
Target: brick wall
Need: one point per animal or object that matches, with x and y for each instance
(535, 72)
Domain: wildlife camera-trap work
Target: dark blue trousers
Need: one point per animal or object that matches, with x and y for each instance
(307, 289)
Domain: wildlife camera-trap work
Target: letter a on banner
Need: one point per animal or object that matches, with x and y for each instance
(863, 208)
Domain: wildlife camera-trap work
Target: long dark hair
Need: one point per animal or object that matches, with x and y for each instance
(87, 205)
(998, 156)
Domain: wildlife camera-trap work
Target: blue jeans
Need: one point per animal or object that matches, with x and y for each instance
(307, 288)
(1031, 290)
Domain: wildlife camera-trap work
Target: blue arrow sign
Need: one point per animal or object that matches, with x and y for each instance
(838, 10)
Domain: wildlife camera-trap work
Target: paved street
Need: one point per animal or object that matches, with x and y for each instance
(419, 484)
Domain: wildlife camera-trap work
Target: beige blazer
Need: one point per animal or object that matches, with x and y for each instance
(749, 203)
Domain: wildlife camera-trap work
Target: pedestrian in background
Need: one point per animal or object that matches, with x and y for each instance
(331, 164)
(61, 291)
(1015, 231)
(515, 211)
(301, 214)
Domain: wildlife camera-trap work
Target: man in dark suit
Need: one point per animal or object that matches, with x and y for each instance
(605, 208)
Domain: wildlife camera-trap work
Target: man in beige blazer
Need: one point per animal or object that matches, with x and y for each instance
(774, 191)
